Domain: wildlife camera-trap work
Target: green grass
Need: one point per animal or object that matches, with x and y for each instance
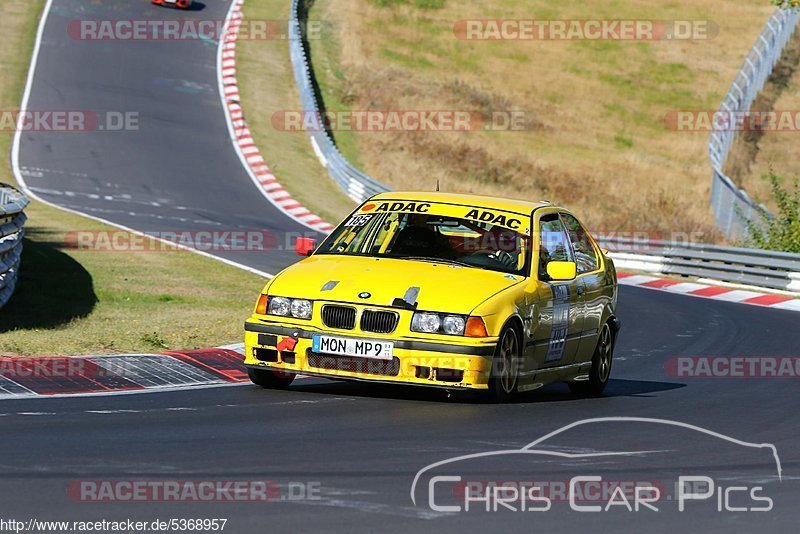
(71, 301)
(326, 61)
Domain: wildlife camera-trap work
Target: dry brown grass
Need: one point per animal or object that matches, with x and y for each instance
(597, 140)
(754, 152)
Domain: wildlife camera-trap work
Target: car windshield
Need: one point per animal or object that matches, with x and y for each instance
(429, 237)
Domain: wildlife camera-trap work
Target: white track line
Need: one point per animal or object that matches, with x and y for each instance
(21, 179)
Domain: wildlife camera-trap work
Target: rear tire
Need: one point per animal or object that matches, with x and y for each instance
(504, 376)
(600, 372)
(269, 379)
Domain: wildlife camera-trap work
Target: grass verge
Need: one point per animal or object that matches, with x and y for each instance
(71, 301)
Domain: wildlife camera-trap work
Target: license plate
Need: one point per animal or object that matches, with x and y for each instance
(342, 346)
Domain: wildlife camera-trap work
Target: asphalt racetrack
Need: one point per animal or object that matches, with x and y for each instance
(343, 456)
(178, 170)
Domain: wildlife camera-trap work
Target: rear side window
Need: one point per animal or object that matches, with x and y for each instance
(553, 243)
(585, 253)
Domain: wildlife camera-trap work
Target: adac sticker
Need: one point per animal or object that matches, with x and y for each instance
(413, 207)
(491, 217)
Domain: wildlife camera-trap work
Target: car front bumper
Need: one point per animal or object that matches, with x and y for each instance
(288, 347)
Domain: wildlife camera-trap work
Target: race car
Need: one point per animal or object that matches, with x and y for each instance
(181, 4)
(456, 291)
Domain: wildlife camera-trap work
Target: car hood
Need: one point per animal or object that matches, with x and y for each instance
(442, 287)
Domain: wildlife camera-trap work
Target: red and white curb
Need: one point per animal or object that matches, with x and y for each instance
(716, 292)
(56, 376)
(242, 138)
(62, 376)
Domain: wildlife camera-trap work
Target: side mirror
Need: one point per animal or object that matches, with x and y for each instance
(305, 246)
(562, 270)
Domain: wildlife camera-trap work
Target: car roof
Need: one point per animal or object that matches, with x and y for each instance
(481, 201)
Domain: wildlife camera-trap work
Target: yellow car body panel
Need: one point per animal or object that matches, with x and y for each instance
(557, 321)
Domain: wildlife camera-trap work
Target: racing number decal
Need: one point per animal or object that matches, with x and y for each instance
(358, 220)
(558, 335)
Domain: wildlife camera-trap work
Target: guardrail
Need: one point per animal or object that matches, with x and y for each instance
(732, 206)
(355, 183)
(761, 268)
(12, 222)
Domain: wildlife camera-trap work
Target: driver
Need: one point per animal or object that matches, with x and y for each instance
(418, 238)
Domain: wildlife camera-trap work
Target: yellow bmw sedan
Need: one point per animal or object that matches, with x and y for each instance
(456, 291)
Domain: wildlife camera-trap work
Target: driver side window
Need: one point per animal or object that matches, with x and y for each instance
(553, 243)
(585, 255)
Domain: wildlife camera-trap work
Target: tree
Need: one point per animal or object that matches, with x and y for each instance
(780, 231)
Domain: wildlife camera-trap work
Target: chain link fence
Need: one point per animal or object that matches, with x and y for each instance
(732, 206)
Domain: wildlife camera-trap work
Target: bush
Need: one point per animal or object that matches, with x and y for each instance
(786, 4)
(782, 230)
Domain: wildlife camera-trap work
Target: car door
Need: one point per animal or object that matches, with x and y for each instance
(591, 274)
(558, 318)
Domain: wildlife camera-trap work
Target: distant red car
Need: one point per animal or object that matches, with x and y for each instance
(181, 4)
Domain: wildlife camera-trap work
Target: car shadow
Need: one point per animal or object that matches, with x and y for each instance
(52, 288)
(196, 6)
(559, 392)
(556, 392)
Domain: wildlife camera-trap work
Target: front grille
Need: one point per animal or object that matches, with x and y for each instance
(370, 366)
(342, 317)
(381, 322)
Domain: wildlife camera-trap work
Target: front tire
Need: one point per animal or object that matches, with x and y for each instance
(504, 376)
(600, 372)
(268, 379)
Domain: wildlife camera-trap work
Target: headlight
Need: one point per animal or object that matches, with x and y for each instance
(279, 306)
(435, 323)
(301, 309)
(453, 325)
(285, 307)
(426, 322)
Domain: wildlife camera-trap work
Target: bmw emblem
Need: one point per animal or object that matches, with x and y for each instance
(364, 295)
